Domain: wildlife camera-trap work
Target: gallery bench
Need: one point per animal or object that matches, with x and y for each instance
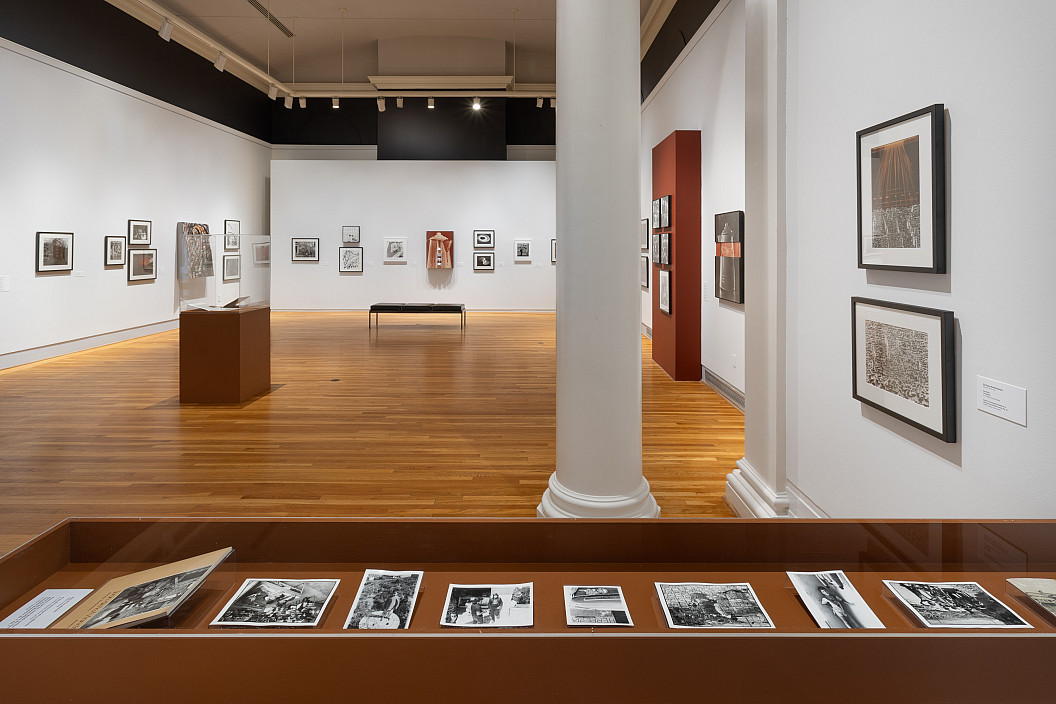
(458, 308)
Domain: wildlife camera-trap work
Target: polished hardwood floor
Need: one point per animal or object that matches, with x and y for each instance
(413, 418)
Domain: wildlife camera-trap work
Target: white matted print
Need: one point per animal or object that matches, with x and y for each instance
(350, 259)
(665, 290)
(114, 249)
(484, 239)
(350, 234)
(644, 234)
(954, 605)
(138, 233)
(305, 249)
(385, 600)
(278, 602)
(262, 253)
(553, 251)
(489, 606)
(705, 605)
(142, 264)
(395, 249)
(232, 267)
(232, 229)
(833, 601)
(522, 250)
(645, 267)
(596, 606)
(54, 251)
(483, 261)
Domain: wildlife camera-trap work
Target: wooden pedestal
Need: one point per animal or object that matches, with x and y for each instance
(225, 355)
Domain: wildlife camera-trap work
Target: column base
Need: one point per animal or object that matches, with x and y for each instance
(749, 496)
(561, 502)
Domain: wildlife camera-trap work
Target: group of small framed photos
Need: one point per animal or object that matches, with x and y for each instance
(55, 251)
(661, 251)
(903, 358)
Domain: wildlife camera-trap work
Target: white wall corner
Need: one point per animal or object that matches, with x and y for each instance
(750, 497)
(800, 505)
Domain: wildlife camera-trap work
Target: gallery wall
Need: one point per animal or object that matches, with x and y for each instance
(704, 90)
(994, 72)
(405, 199)
(125, 156)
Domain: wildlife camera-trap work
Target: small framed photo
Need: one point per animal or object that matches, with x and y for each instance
(729, 259)
(262, 253)
(138, 233)
(902, 193)
(142, 264)
(664, 277)
(665, 211)
(350, 234)
(484, 239)
(483, 261)
(656, 214)
(522, 251)
(54, 251)
(305, 249)
(114, 249)
(645, 270)
(643, 234)
(395, 249)
(553, 250)
(232, 267)
(656, 249)
(350, 259)
(665, 248)
(903, 363)
(231, 233)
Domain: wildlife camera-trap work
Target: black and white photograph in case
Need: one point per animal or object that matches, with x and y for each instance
(596, 606)
(484, 239)
(232, 229)
(232, 267)
(656, 214)
(665, 211)
(142, 264)
(643, 234)
(350, 259)
(833, 601)
(350, 234)
(278, 602)
(114, 248)
(385, 600)
(664, 282)
(146, 597)
(54, 251)
(1040, 591)
(489, 606)
(954, 605)
(483, 261)
(553, 251)
(903, 363)
(656, 249)
(305, 249)
(703, 605)
(665, 249)
(522, 250)
(139, 233)
(645, 266)
(395, 249)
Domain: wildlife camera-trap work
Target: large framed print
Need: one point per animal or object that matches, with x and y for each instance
(305, 249)
(664, 278)
(729, 256)
(139, 233)
(440, 249)
(903, 363)
(142, 264)
(902, 193)
(350, 259)
(484, 239)
(54, 251)
(114, 249)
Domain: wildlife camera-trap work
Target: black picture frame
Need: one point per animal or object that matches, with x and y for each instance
(665, 249)
(645, 267)
(109, 258)
(656, 249)
(902, 193)
(663, 298)
(483, 261)
(553, 250)
(54, 252)
(729, 256)
(665, 211)
(139, 233)
(484, 239)
(308, 251)
(347, 261)
(643, 234)
(656, 214)
(232, 231)
(903, 364)
(350, 234)
(232, 267)
(142, 265)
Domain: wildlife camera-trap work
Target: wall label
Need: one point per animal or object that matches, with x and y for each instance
(1002, 400)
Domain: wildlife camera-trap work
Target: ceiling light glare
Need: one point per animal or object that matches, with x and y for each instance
(336, 103)
(430, 103)
(476, 103)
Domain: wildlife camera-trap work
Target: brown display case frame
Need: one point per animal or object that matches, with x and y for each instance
(795, 661)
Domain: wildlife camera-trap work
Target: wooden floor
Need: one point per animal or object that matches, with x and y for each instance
(415, 418)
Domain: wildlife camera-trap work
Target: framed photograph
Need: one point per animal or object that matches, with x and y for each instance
(903, 363)
(54, 251)
(278, 602)
(656, 249)
(833, 601)
(656, 214)
(643, 234)
(522, 251)
(704, 605)
(350, 234)
(664, 277)
(139, 233)
(350, 259)
(596, 606)
(489, 606)
(232, 267)
(902, 193)
(114, 248)
(395, 249)
(262, 253)
(483, 261)
(142, 264)
(385, 600)
(440, 249)
(553, 251)
(645, 270)
(484, 239)
(665, 211)
(231, 233)
(954, 605)
(305, 249)
(729, 259)
(665, 249)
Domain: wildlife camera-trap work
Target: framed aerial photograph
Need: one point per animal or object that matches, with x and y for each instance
(305, 249)
(114, 249)
(350, 259)
(643, 234)
(903, 363)
(232, 267)
(54, 251)
(553, 251)
(440, 249)
(489, 606)
(231, 233)
(729, 256)
(262, 253)
(395, 249)
(665, 211)
(953, 605)
(483, 261)
(665, 248)
(484, 239)
(350, 234)
(522, 251)
(645, 266)
(706, 605)
(278, 602)
(385, 600)
(656, 214)
(656, 249)
(139, 233)
(902, 193)
(664, 278)
(142, 264)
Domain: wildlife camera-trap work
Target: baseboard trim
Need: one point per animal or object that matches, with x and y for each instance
(724, 388)
(647, 331)
(799, 506)
(39, 354)
(749, 497)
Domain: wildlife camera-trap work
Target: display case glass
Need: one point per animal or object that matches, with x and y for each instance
(222, 271)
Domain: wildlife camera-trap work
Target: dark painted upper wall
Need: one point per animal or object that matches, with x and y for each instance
(683, 22)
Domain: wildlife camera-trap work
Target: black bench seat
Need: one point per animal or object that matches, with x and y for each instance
(375, 309)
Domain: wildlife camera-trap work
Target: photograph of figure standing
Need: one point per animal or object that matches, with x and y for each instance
(489, 606)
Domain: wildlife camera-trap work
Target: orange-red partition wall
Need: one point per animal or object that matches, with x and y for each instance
(676, 336)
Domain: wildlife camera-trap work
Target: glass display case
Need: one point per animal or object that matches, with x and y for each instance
(222, 271)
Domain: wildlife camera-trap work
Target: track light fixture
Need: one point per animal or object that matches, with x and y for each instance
(273, 92)
(288, 102)
(476, 103)
(220, 62)
(538, 102)
(399, 102)
(303, 102)
(336, 102)
(166, 30)
(430, 103)
(553, 102)
(381, 104)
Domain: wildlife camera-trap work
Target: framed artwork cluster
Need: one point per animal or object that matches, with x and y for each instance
(142, 264)
(660, 252)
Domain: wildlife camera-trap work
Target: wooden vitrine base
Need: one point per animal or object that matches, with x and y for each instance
(225, 355)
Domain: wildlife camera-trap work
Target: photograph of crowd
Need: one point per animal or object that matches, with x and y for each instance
(278, 602)
(896, 360)
(149, 596)
(954, 605)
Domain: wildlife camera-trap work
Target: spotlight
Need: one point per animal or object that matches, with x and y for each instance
(303, 102)
(430, 103)
(553, 102)
(220, 62)
(476, 103)
(538, 102)
(273, 92)
(399, 102)
(381, 104)
(166, 30)
(336, 103)
(288, 102)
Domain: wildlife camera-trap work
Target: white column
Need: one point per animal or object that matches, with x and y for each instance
(599, 357)
(757, 487)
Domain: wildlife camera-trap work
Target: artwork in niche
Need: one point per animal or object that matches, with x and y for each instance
(198, 251)
(278, 602)
(665, 291)
(656, 214)
(138, 233)
(643, 234)
(231, 233)
(262, 253)
(54, 251)
(484, 239)
(350, 259)
(665, 249)
(954, 605)
(903, 363)
(596, 606)
(703, 605)
(114, 248)
(553, 251)
(729, 256)
(902, 193)
(665, 211)
(645, 270)
(232, 267)
(350, 234)
(656, 249)
(1042, 592)
(305, 249)
(489, 606)
(483, 261)
(439, 249)
(142, 264)
(395, 249)
(522, 250)
(385, 600)
(833, 601)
